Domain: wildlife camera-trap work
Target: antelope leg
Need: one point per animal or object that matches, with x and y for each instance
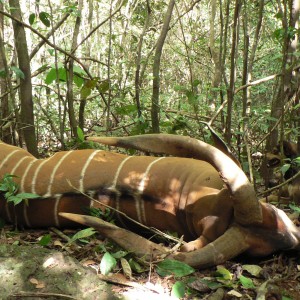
(232, 243)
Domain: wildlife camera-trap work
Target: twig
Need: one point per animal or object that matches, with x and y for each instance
(280, 185)
(43, 295)
(111, 279)
(151, 229)
(65, 237)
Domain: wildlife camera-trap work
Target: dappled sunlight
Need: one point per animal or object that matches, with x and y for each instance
(149, 291)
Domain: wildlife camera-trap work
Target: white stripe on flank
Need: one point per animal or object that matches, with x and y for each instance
(81, 187)
(48, 194)
(141, 186)
(113, 188)
(35, 175)
(55, 210)
(114, 183)
(139, 202)
(8, 157)
(24, 175)
(18, 164)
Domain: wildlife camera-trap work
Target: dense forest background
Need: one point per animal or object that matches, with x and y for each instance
(133, 67)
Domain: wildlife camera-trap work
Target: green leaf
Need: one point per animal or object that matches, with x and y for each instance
(126, 110)
(135, 266)
(126, 267)
(196, 82)
(78, 80)
(51, 76)
(44, 17)
(178, 290)
(223, 273)
(3, 73)
(213, 285)
(85, 92)
(284, 168)
(45, 240)
(62, 74)
(80, 134)
(119, 254)
(297, 160)
(83, 234)
(108, 262)
(174, 267)
(294, 208)
(19, 73)
(15, 199)
(254, 270)
(31, 18)
(103, 86)
(91, 83)
(78, 70)
(246, 282)
(28, 196)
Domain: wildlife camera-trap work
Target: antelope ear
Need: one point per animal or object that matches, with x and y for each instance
(246, 207)
(128, 240)
(230, 244)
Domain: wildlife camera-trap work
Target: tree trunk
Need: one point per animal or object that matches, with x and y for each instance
(70, 92)
(286, 90)
(137, 81)
(215, 55)
(230, 91)
(4, 87)
(25, 91)
(156, 65)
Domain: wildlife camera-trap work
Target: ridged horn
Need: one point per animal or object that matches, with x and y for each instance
(229, 245)
(246, 207)
(128, 240)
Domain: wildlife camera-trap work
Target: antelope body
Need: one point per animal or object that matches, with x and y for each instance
(200, 193)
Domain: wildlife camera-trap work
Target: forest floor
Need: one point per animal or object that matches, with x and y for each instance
(272, 278)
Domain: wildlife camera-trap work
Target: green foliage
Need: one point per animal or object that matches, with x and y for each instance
(173, 267)
(3, 73)
(80, 134)
(294, 207)
(45, 240)
(247, 283)
(45, 18)
(10, 190)
(19, 73)
(222, 274)
(61, 74)
(107, 264)
(178, 290)
(82, 235)
(106, 214)
(88, 86)
(32, 18)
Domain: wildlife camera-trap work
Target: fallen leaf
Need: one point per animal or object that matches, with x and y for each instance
(33, 281)
(252, 269)
(58, 243)
(40, 285)
(235, 294)
(50, 262)
(88, 262)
